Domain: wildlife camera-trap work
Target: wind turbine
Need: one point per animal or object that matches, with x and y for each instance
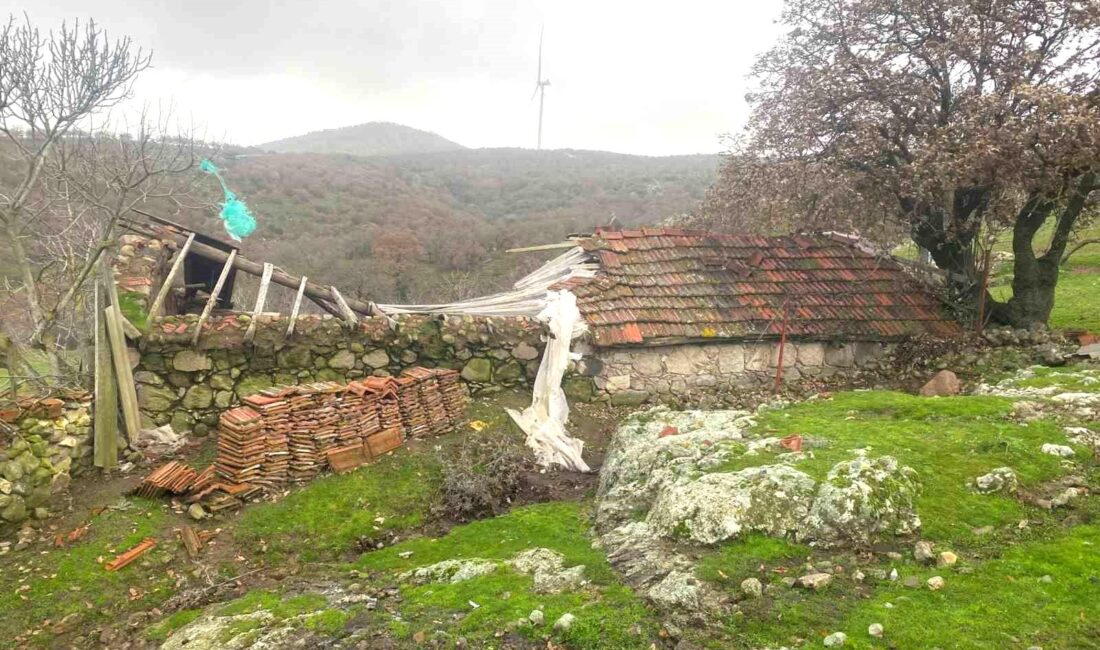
(540, 88)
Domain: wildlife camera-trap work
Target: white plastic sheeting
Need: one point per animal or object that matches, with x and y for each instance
(527, 297)
(544, 421)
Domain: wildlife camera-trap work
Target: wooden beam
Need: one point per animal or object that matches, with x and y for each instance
(123, 374)
(349, 316)
(297, 306)
(213, 297)
(105, 446)
(542, 247)
(158, 303)
(261, 297)
(313, 290)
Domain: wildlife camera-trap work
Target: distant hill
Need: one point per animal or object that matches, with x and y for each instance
(370, 139)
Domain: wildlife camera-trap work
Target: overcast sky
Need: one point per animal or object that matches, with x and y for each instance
(639, 77)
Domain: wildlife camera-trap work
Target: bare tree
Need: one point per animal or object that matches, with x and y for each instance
(938, 119)
(76, 180)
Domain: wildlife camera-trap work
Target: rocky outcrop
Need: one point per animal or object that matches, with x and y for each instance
(662, 483)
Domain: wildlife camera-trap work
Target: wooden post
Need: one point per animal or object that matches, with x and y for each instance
(105, 448)
(349, 316)
(213, 297)
(123, 374)
(154, 309)
(297, 306)
(261, 297)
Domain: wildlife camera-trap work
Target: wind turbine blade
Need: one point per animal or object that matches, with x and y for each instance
(538, 77)
(537, 86)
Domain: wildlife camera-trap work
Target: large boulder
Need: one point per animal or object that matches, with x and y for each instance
(942, 384)
(862, 501)
(771, 499)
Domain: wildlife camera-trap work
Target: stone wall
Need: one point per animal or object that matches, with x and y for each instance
(39, 455)
(188, 387)
(630, 376)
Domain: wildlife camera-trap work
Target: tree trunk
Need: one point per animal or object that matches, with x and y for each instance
(34, 303)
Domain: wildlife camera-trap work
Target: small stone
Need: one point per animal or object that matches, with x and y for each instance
(911, 582)
(536, 617)
(893, 575)
(836, 639)
(815, 581)
(564, 623)
(922, 552)
(1057, 450)
(858, 576)
(1047, 579)
(875, 630)
(946, 559)
(1000, 479)
(935, 583)
(752, 587)
(196, 512)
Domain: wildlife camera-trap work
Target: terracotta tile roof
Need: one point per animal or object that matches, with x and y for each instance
(660, 284)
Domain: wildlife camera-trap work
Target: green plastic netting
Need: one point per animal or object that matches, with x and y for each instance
(236, 217)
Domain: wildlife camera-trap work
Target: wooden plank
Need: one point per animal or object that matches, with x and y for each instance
(123, 374)
(261, 297)
(213, 297)
(542, 247)
(191, 542)
(158, 303)
(105, 447)
(297, 306)
(349, 316)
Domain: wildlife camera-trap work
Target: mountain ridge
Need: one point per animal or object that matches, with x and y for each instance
(366, 139)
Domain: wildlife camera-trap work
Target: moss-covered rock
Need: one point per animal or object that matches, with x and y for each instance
(253, 383)
(376, 359)
(298, 356)
(156, 398)
(342, 360)
(191, 361)
(509, 371)
(197, 397)
(181, 421)
(478, 371)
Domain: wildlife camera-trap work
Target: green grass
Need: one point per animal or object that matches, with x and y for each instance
(323, 519)
(747, 557)
(1001, 604)
(49, 585)
(164, 628)
(949, 441)
(608, 614)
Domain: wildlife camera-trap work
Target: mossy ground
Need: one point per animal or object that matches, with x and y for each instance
(996, 597)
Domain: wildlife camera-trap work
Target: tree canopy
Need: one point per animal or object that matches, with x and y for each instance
(943, 120)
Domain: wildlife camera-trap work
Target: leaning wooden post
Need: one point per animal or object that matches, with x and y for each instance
(213, 296)
(123, 374)
(105, 447)
(782, 346)
(261, 297)
(154, 310)
(297, 306)
(349, 316)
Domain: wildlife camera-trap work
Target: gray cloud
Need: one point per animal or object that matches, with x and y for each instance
(630, 76)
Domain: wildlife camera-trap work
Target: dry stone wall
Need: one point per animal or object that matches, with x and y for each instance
(632, 376)
(188, 387)
(38, 457)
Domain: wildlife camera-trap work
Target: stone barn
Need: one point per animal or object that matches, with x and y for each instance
(675, 312)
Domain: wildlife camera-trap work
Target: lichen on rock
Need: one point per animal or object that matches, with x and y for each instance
(450, 571)
(771, 499)
(863, 500)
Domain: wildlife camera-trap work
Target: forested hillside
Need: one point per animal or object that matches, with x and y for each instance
(433, 227)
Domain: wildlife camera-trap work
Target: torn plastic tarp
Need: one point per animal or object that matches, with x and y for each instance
(544, 421)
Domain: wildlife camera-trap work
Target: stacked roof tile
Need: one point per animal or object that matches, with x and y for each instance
(667, 284)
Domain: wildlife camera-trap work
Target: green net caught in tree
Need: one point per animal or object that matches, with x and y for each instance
(236, 217)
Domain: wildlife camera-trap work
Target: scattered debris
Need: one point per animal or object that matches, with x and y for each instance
(134, 553)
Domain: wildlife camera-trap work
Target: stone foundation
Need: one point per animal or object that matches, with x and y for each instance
(189, 387)
(630, 376)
